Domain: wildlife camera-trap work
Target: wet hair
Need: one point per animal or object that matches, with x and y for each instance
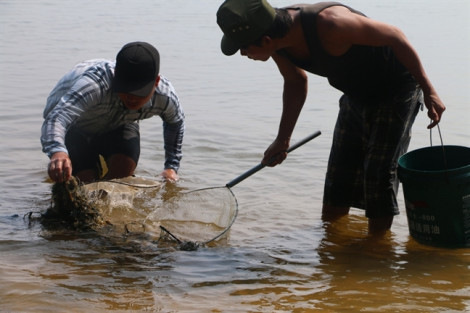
(280, 27)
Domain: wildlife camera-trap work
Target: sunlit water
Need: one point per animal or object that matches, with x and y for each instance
(279, 256)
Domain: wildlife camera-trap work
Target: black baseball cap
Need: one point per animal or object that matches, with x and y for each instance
(137, 68)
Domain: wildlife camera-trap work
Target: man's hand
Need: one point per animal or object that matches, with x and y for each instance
(276, 153)
(435, 108)
(170, 175)
(60, 167)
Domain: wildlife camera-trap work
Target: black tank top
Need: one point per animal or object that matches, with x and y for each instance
(363, 72)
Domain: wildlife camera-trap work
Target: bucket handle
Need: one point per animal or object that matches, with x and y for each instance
(442, 144)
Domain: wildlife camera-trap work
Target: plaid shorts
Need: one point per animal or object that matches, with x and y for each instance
(368, 140)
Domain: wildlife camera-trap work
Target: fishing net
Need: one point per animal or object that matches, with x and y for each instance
(139, 205)
(197, 217)
(209, 210)
(136, 205)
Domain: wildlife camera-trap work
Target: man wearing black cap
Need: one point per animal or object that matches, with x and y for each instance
(95, 108)
(372, 63)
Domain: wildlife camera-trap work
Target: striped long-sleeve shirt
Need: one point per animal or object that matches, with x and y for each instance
(84, 99)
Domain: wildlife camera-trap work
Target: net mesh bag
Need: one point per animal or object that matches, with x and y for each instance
(138, 205)
(200, 216)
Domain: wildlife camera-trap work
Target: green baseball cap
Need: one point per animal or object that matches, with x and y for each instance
(243, 21)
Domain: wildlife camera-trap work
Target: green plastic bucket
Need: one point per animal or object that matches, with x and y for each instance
(436, 188)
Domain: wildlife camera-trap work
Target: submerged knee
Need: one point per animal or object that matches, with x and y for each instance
(380, 225)
(332, 213)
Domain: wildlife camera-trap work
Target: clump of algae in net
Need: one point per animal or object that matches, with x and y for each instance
(72, 208)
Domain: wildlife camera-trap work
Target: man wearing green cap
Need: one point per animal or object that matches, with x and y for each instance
(376, 68)
(94, 111)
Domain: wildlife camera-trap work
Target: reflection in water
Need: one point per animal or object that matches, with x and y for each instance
(362, 268)
(116, 270)
(327, 267)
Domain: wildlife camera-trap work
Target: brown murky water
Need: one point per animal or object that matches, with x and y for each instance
(279, 256)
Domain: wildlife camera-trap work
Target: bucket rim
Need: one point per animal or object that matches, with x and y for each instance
(452, 170)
